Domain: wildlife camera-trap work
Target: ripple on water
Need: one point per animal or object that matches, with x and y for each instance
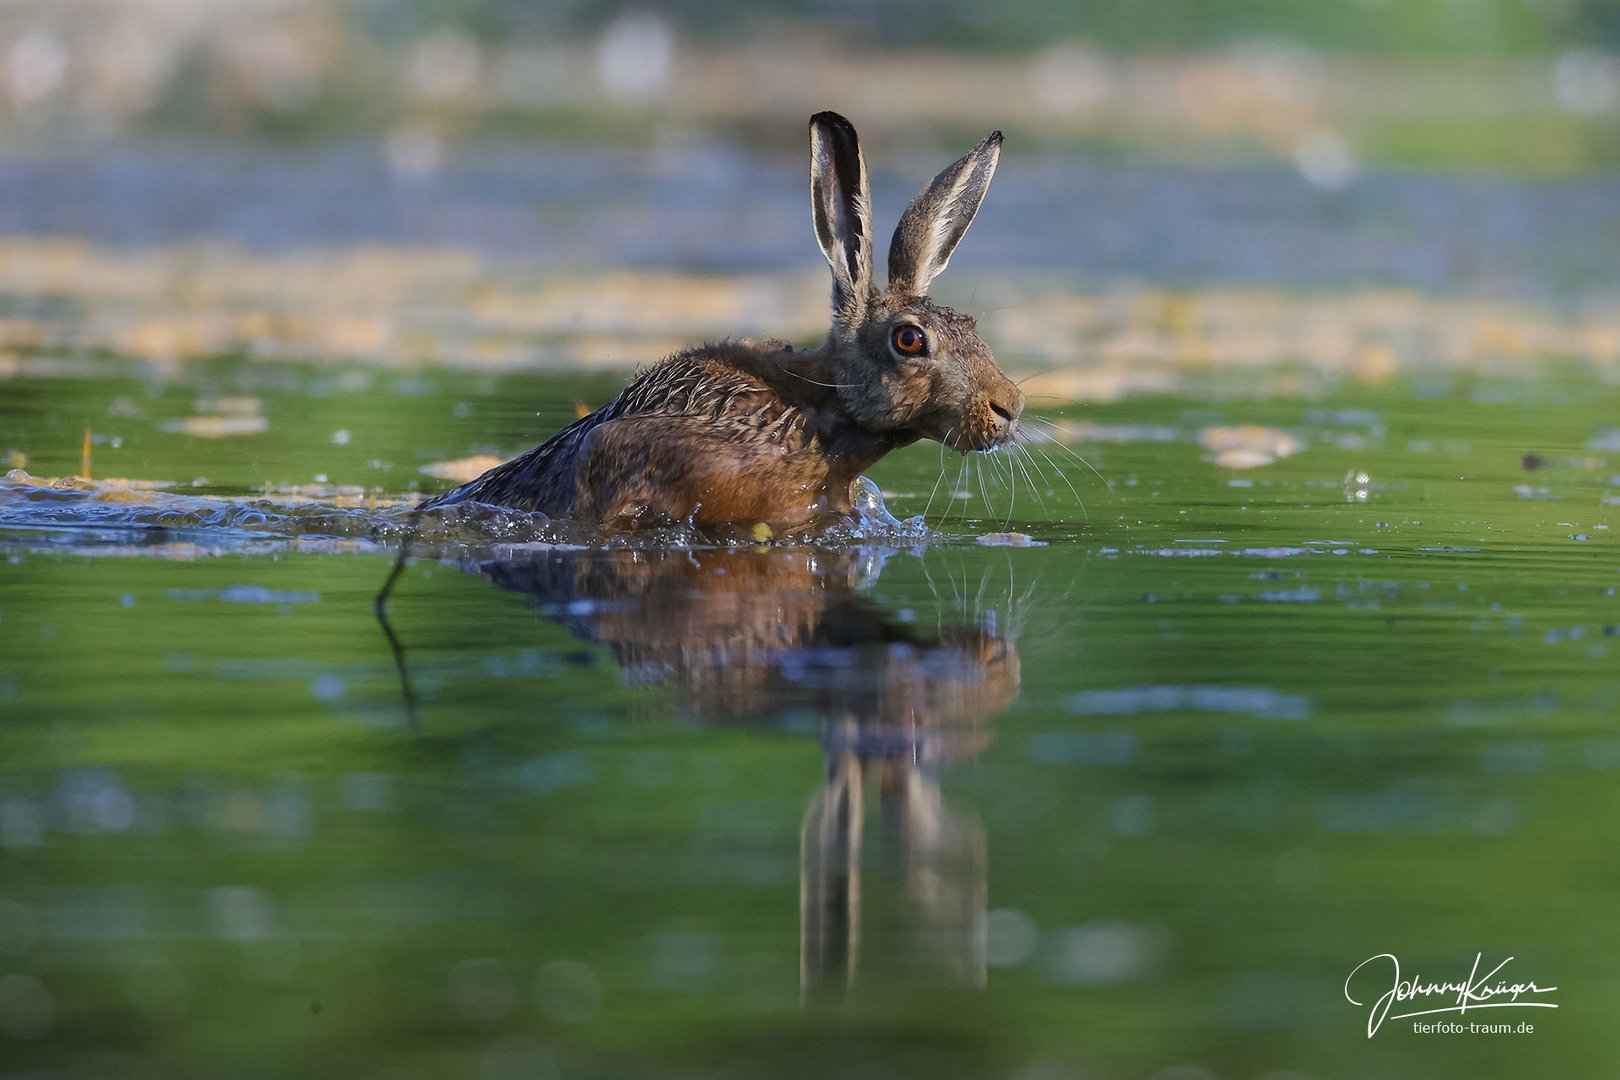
(1262, 701)
(28, 502)
(108, 508)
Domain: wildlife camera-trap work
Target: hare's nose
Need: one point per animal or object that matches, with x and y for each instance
(1008, 406)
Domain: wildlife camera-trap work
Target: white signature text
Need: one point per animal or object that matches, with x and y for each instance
(1477, 991)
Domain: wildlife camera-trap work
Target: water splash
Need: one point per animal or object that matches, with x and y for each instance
(98, 515)
(116, 508)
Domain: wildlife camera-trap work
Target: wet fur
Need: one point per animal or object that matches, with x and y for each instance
(733, 432)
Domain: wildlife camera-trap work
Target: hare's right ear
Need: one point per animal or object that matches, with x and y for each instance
(933, 224)
(842, 208)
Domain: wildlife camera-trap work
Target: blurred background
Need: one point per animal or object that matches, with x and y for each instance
(1527, 85)
(512, 184)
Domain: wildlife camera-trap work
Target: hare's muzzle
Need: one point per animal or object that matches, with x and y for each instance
(1006, 405)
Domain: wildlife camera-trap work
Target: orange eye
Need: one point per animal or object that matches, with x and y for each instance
(909, 340)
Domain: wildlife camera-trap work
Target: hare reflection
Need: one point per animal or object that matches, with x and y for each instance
(788, 633)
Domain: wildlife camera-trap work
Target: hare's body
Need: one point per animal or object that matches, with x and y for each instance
(739, 432)
(746, 433)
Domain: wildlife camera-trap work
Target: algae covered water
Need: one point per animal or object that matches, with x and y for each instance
(1114, 768)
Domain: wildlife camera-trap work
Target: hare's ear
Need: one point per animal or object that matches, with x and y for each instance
(842, 209)
(936, 219)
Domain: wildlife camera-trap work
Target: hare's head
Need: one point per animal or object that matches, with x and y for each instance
(906, 365)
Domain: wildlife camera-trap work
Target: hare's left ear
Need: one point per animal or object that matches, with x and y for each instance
(936, 219)
(842, 208)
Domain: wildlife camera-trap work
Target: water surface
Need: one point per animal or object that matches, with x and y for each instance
(1322, 671)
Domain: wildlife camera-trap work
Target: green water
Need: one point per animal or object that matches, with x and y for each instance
(1136, 799)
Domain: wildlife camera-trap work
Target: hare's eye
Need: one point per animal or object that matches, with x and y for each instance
(909, 340)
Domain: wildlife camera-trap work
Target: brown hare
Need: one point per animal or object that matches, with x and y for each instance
(747, 433)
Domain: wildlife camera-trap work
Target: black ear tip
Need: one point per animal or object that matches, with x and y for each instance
(993, 139)
(832, 120)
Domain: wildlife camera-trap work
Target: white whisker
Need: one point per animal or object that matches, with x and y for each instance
(937, 479)
(984, 493)
(1019, 455)
(1061, 475)
(818, 382)
(1012, 493)
(958, 486)
(1052, 440)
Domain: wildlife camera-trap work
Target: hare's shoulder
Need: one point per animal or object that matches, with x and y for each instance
(726, 383)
